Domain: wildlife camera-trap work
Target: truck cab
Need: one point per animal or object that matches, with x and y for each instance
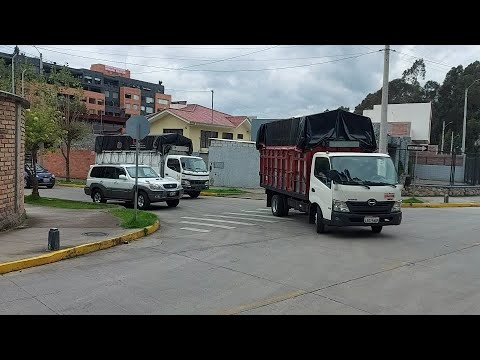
(190, 171)
(354, 189)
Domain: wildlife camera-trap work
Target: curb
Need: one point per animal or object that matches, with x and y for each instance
(76, 250)
(220, 194)
(440, 205)
(71, 185)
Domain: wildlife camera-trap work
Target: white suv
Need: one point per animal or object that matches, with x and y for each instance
(117, 182)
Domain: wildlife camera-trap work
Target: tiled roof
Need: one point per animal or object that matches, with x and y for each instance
(202, 115)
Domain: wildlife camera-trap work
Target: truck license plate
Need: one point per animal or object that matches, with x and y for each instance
(371, 219)
(172, 193)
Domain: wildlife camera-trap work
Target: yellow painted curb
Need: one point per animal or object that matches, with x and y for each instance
(440, 205)
(70, 185)
(76, 250)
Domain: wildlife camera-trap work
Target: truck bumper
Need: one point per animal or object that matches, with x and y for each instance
(157, 196)
(194, 188)
(349, 219)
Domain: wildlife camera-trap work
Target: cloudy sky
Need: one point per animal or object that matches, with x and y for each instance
(267, 81)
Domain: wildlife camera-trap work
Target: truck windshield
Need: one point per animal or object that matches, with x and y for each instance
(143, 172)
(193, 164)
(365, 170)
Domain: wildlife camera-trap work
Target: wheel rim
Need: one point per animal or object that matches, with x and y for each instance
(274, 205)
(97, 197)
(316, 217)
(141, 201)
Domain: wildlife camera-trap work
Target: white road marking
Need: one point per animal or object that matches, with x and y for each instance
(202, 224)
(218, 220)
(264, 209)
(258, 215)
(236, 217)
(194, 229)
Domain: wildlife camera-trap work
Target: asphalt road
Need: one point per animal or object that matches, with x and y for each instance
(230, 256)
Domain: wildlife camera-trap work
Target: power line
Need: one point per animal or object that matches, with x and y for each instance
(424, 59)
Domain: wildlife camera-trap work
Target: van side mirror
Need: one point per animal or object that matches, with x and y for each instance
(122, 177)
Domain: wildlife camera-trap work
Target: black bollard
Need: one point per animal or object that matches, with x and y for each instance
(53, 239)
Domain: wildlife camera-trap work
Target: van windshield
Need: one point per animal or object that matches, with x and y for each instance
(365, 170)
(143, 172)
(193, 164)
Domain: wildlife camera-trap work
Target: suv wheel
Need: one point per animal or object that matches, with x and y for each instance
(97, 196)
(143, 202)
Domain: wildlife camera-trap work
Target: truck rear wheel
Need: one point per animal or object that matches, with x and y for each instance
(278, 205)
(319, 221)
(377, 229)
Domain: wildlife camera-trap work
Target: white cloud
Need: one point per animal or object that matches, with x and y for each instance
(270, 93)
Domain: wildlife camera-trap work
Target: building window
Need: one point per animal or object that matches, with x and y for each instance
(149, 110)
(135, 107)
(115, 95)
(136, 97)
(99, 102)
(92, 111)
(149, 100)
(98, 81)
(127, 106)
(92, 101)
(228, 136)
(128, 96)
(84, 99)
(162, 102)
(240, 136)
(142, 108)
(173, 131)
(88, 79)
(107, 93)
(147, 89)
(205, 138)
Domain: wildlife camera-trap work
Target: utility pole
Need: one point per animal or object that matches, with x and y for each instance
(451, 144)
(383, 141)
(212, 106)
(443, 137)
(41, 60)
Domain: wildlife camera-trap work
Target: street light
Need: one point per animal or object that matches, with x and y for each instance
(465, 117)
(41, 60)
(443, 133)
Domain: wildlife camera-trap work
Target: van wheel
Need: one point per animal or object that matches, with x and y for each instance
(319, 221)
(377, 229)
(278, 205)
(97, 196)
(143, 202)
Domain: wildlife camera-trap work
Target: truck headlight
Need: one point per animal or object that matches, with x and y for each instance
(186, 182)
(340, 206)
(397, 206)
(155, 187)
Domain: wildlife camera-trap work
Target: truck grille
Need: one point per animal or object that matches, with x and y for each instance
(170, 186)
(362, 207)
(197, 182)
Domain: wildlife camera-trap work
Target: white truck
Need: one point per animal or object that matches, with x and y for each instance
(326, 166)
(169, 155)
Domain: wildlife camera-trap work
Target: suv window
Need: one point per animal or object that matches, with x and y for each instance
(97, 172)
(119, 171)
(109, 172)
(173, 164)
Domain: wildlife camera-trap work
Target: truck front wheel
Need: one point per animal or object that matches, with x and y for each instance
(193, 194)
(278, 205)
(377, 229)
(319, 221)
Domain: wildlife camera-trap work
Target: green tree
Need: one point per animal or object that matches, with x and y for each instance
(72, 108)
(41, 126)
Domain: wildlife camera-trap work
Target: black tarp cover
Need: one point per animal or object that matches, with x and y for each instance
(151, 143)
(309, 131)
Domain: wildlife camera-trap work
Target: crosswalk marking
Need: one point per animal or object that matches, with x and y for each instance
(218, 220)
(243, 218)
(194, 229)
(203, 224)
(258, 215)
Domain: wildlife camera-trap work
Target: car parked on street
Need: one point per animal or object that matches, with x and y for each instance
(117, 182)
(44, 177)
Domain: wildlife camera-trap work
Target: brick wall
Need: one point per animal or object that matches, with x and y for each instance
(80, 161)
(12, 150)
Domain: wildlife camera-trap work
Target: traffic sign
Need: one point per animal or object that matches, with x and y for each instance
(415, 147)
(137, 127)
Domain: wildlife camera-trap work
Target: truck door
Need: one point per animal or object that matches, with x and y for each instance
(173, 169)
(320, 186)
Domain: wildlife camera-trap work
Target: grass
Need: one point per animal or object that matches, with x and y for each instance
(224, 191)
(127, 216)
(72, 181)
(413, 200)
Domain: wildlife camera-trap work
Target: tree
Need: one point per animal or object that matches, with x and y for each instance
(343, 108)
(410, 76)
(41, 126)
(72, 108)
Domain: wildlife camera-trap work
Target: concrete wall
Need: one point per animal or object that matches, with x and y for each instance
(418, 114)
(439, 172)
(234, 164)
(12, 158)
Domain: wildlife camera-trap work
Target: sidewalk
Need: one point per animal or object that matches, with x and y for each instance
(31, 239)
